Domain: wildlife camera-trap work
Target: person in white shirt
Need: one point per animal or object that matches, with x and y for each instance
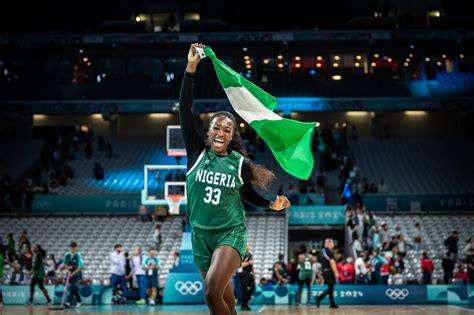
(317, 277)
(356, 245)
(117, 269)
(157, 237)
(361, 270)
(140, 275)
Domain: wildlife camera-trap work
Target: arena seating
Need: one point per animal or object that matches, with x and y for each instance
(96, 237)
(123, 172)
(441, 166)
(435, 229)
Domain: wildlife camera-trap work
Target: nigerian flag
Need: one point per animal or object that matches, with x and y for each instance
(289, 140)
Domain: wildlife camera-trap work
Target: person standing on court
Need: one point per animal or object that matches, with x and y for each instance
(247, 279)
(73, 262)
(330, 273)
(38, 274)
(151, 265)
(117, 270)
(139, 273)
(305, 276)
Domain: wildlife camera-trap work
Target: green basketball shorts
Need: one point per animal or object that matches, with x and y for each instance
(206, 242)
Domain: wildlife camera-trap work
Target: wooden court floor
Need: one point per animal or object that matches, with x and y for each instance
(264, 310)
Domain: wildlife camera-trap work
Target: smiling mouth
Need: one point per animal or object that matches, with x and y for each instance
(218, 143)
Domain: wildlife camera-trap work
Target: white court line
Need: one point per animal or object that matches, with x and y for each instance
(262, 309)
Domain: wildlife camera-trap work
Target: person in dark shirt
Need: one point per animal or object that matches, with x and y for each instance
(451, 244)
(470, 269)
(247, 279)
(329, 270)
(448, 268)
(38, 274)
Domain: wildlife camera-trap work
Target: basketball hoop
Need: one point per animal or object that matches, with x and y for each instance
(174, 201)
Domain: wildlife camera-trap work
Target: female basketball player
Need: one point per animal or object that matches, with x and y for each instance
(219, 175)
(38, 274)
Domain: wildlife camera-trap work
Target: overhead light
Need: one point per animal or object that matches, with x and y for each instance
(357, 113)
(247, 62)
(266, 61)
(319, 65)
(407, 59)
(318, 124)
(439, 63)
(357, 64)
(389, 59)
(444, 56)
(279, 57)
(335, 65)
(427, 59)
(319, 58)
(376, 55)
(39, 116)
(297, 58)
(373, 64)
(159, 115)
(406, 64)
(138, 19)
(244, 49)
(337, 57)
(97, 116)
(89, 64)
(85, 59)
(298, 65)
(415, 112)
(242, 125)
(461, 56)
(336, 77)
(410, 55)
(434, 14)
(249, 66)
(280, 65)
(358, 57)
(246, 57)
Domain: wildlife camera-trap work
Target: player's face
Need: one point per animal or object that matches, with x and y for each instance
(220, 134)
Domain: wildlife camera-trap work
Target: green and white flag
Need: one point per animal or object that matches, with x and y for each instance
(289, 140)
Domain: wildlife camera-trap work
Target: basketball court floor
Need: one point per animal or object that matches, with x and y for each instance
(264, 310)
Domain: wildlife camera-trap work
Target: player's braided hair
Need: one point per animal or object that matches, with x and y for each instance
(260, 175)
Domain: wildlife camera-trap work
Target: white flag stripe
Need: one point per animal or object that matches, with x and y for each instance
(248, 106)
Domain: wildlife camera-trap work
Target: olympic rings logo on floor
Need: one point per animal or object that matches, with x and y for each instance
(397, 294)
(188, 287)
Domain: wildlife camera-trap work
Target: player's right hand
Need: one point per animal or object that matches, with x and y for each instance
(193, 56)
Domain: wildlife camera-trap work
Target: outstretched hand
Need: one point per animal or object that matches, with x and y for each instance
(280, 203)
(193, 57)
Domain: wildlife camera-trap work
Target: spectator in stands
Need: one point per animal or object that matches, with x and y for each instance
(448, 267)
(293, 271)
(377, 263)
(317, 277)
(175, 262)
(426, 268)
(143, 213)
(470, 269)
(468, 249)
(281, 260)
(279, 277)
(384, 234)
(73, 262)
(361, 270)
(117, 270)
(99, 173)
(38, 274)
(417, 237)
(17, 277)
(451, 244)
(51, 267)
(157, 236)
(356, 245)
(139, 273)
(460, 275)
(151, 265)
(382, 187)
(347, 272)
(402, 246)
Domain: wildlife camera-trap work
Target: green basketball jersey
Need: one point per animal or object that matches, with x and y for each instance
(213, 191)
(306, 266)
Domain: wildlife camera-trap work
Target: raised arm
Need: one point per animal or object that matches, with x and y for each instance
(192, 139)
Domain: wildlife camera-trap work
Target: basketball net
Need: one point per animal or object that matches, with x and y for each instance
(174, 201)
